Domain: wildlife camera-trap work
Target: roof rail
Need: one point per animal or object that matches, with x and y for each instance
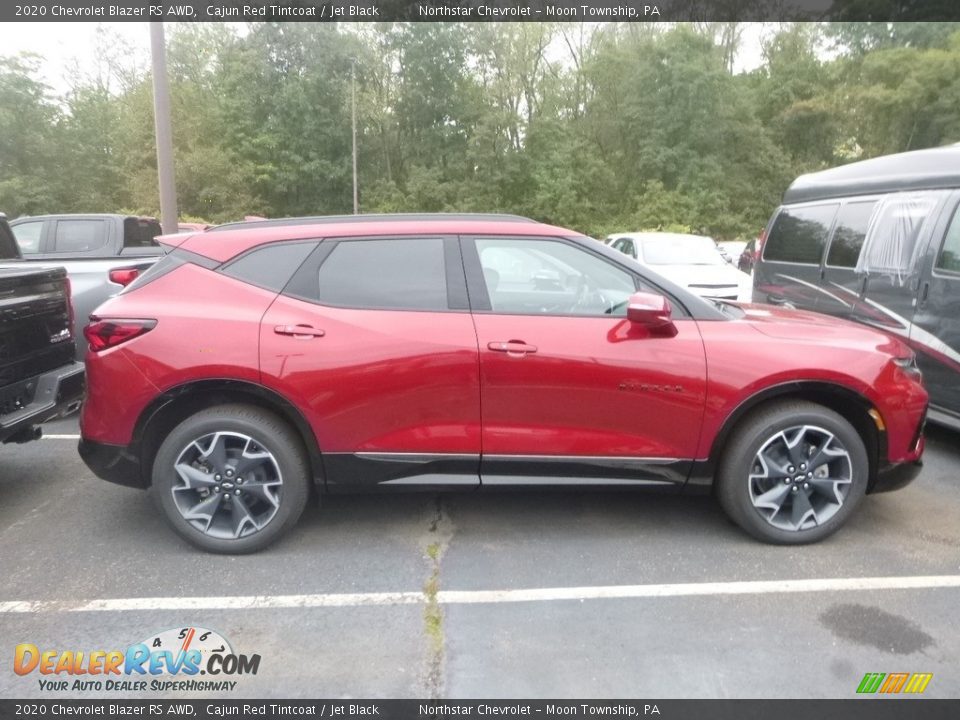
(372, 217)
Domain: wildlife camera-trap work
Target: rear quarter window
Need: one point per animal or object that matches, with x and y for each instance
(799, 234)
(272, 266)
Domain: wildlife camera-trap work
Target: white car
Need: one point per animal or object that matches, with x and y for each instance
(692, 261)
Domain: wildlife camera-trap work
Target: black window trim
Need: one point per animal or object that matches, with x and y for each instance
(826, 243)
(303, 285)
(480, 299)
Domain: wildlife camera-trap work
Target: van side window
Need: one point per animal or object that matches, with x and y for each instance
(949, 259)
(892, 245)
(799, 234)
(851, 230)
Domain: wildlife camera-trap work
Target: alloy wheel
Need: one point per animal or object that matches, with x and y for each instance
(800, 477)
(228, 485)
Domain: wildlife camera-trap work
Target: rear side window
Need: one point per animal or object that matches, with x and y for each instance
(849, 234)
(140, 232)
(28, 236)
(799, 235)
(395, 274)
(892, 245)
(949, 259)
(79, 236)
(272, 266)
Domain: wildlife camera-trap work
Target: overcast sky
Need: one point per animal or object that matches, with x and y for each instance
(66, 46)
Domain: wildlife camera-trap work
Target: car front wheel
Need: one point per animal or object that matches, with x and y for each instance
(231, 479)
(793, 473)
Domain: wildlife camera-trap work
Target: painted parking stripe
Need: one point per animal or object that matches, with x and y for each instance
(466, 597)
(59, 437)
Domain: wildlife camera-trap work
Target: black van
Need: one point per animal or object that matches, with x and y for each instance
(877, 242)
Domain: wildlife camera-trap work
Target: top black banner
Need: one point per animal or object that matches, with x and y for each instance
(482, 10)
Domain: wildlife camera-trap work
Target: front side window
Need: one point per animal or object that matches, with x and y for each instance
(394, 274)
(799, 234)
(851, 230)
(949, 259)
(536, 277)
(78, 236)
(28, 236)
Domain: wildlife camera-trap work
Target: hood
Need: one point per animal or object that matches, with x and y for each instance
(785, 324)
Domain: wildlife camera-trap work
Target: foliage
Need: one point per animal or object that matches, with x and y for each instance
(597, 127)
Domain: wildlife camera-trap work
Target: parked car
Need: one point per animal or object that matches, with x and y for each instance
(258, 362)
(39, 379)
(692, 261)
(101, 254)
(878, 242)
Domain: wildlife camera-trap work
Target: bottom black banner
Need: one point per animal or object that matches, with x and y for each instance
(854, 709)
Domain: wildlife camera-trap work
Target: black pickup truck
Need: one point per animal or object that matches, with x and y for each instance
(39, 378)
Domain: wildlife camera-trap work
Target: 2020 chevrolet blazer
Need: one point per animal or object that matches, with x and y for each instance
(258, 363)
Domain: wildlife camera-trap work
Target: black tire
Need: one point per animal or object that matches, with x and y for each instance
(279, 452)
(743, 479)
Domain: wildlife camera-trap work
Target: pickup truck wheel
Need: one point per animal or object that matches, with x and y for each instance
(231, 479)
(793, 473)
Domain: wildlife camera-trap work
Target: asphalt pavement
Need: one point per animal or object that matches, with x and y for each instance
(506, 594)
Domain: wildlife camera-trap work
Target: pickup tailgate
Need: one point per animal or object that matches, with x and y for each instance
(35, 332)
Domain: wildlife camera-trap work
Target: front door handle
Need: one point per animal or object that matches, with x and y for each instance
(512, 347)
(301, 332)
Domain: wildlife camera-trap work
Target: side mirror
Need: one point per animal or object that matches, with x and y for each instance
(650, 310)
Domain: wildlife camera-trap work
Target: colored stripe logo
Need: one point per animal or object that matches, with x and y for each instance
(893, 683)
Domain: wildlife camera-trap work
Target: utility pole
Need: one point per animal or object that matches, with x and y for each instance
(164, 134)
(353, 120)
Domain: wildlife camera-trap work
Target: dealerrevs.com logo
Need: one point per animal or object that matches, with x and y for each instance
(169, 661)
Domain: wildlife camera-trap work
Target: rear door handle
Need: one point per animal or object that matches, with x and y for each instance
(301, 332)
(924, 293)
(512, 347)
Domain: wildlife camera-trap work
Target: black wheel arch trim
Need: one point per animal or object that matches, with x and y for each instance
(875, 440)
(230, 390)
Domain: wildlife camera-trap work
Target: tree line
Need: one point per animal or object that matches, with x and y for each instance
(599, 128)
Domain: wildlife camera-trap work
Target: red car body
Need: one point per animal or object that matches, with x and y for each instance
(473, 398)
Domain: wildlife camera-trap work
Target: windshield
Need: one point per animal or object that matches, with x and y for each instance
(680, 250)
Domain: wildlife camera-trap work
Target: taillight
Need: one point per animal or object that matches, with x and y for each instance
(124, 276)
(105, 334)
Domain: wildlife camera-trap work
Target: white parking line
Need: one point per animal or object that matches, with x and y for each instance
(462, 597)
(59, 437)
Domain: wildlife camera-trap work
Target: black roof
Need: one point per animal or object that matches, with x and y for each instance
(916, 170)
(332, 219)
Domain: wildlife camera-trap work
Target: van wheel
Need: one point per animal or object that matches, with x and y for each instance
(793, 473)
(231, 479)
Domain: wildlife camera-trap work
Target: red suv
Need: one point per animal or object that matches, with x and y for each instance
(260, 362)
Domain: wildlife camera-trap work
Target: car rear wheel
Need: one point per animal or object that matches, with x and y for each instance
(231, 479)
(793, 473)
